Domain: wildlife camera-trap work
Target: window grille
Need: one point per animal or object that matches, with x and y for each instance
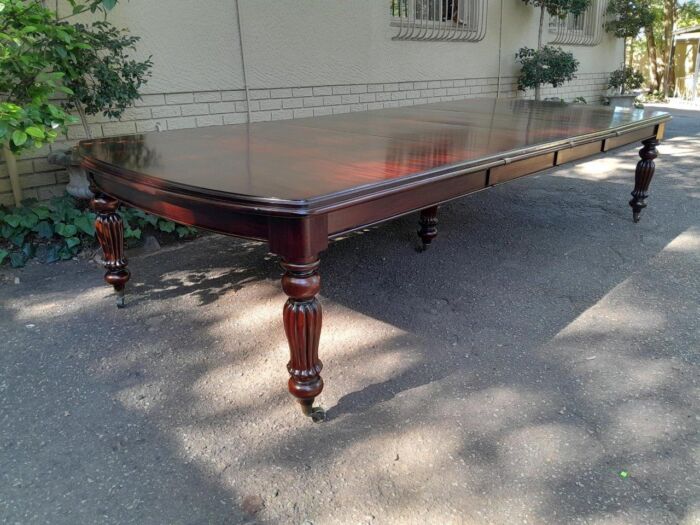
(585, 29)
(439, 20)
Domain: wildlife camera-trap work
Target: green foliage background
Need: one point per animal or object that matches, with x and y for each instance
(61, 228)
(44, 57)
(550, 65)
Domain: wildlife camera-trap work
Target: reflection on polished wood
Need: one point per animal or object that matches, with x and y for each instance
(316, 157)
(297, 184)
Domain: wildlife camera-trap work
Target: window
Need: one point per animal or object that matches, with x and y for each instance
(439, 20)
(585, 29)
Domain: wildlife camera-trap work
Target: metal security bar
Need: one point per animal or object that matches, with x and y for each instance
(439, 20)
(585, 29)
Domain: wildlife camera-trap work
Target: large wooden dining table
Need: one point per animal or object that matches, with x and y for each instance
(296, 184)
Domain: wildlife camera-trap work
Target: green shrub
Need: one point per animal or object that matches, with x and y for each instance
(62, 227)
(625, 79)
(654, 96)
(30, 39)
(550, 65)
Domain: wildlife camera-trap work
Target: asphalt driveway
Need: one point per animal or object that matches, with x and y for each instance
(538, 365)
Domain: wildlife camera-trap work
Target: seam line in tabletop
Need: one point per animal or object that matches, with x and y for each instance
(629, 126)
(362, 192)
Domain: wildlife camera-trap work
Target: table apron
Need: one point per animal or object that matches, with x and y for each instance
(634, 136)
(212, 215)
(397, 204)
(391, 206)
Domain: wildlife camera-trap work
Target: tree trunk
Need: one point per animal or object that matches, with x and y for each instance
(652, 58)
(11, 163)
(630, 51)
(669, 22)
(538, 90)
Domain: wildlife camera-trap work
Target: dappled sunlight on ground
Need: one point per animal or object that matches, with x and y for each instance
(542, 347)
(687, 242)
(42, 311)
(599, 169)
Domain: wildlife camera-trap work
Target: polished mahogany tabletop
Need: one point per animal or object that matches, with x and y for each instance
(307, 159)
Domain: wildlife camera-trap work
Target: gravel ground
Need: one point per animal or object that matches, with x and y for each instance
(538, 365)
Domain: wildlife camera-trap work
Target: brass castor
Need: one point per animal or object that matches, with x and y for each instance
(121, 299)
(317, 414)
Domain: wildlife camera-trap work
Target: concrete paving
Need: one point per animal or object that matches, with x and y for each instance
(538, 365)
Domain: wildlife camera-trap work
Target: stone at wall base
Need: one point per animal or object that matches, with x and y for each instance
(78, 185)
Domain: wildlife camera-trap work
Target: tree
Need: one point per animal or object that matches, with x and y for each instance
(549, 65)
(546, 64)
(558, 9)
(626, 19)
(688, 14)
(49, 65)
(669, 21)
(29, 82)
(625, 79)
(657, 39)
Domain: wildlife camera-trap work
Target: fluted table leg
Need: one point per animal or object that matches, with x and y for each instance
(110, 233)
(302, 324)
(642, 177)
(428, 227)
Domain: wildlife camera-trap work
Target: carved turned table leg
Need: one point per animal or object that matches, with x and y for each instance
(643, 176)
(110, 233)
(428, 227)
(302, 324)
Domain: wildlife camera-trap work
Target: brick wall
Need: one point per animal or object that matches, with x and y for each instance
(215, 108)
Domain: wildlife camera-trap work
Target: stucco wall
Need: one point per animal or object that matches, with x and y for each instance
(305, 58)
(291, 43)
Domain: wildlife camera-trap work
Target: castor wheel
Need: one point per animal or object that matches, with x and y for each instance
(317, 414)
(121, 299)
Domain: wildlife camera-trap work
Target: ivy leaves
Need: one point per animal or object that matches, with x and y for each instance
(59, 229)
(56, 230)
